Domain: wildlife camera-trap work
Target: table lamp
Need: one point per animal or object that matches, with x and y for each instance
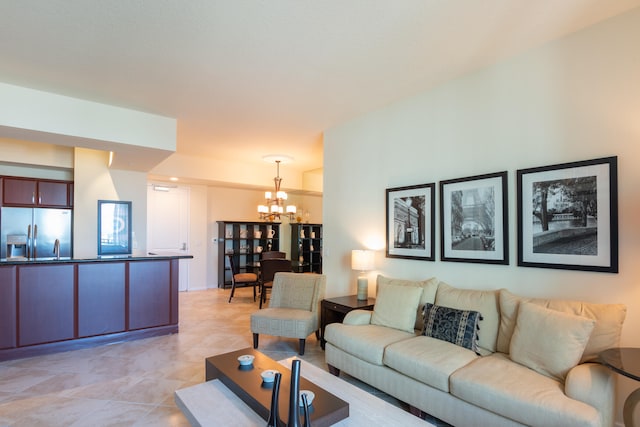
(362, 261)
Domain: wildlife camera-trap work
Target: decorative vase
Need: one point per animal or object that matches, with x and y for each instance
(294, 395)
(305, 406)
(273, 420)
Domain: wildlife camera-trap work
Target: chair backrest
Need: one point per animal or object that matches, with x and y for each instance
(269, 267)
(298, 291)
(234, 270)
(272, 255)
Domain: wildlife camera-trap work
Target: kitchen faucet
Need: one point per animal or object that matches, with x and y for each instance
(56, 248)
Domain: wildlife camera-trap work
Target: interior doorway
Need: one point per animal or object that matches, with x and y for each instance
(168, 224)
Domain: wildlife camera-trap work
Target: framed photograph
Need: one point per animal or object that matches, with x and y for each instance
(114, 228)
(411, 222)
(568, 216)
(474, 219)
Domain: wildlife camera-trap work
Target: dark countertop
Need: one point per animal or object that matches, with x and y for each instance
(107, 258)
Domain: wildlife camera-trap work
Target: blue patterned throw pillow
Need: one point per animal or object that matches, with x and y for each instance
(459, 327)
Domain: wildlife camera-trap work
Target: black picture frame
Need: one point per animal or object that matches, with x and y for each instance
(474, 219)
(580, 230)
(114, 227)
(411, 222)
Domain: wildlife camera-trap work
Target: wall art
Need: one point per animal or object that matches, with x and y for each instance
(568, 216)
(114, 227)
(474, 219)
(411, 222)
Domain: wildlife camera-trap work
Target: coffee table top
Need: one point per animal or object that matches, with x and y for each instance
(625, 361)
(246, 382)
(213, 404)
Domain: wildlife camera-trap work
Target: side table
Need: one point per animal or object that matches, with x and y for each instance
(333, 310)
(625, 361)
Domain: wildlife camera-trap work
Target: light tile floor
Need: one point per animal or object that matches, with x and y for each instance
(132, 383)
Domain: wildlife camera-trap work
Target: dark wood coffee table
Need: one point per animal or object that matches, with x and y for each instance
(247, 384)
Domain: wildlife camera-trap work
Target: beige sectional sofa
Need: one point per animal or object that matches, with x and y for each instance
(531, 361)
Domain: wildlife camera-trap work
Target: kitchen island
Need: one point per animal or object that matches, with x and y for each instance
(50, 305)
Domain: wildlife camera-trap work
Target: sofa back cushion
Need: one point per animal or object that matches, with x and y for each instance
(548, 341)
(484, 302)
(606, 332)
(396, 306)
(429, 287)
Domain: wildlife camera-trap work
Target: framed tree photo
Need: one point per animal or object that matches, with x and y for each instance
(474, 219)
(568, 216)
(411, 222)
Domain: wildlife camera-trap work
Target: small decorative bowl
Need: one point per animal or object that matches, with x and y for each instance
(310, 395)
(246, 359)
(269, 375)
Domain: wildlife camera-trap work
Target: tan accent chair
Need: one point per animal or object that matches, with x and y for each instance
(294, 308)
(243, 279)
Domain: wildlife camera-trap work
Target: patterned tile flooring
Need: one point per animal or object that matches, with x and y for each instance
(132, 383)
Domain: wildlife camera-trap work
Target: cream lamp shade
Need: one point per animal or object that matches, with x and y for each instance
(362, 261)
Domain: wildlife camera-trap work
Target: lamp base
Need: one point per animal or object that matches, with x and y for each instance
(363, 288)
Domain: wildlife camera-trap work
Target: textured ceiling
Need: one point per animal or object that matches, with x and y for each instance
(247, 78)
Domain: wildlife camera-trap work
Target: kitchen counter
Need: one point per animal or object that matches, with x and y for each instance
(49, 305)
(109, 258)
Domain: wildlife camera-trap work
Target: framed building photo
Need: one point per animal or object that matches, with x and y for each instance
(114, 228)
(474, 219)
(568, 216)
(411, 222)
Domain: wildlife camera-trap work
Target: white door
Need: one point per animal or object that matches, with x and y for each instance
(168, 225)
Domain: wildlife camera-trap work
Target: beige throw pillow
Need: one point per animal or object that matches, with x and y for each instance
(396, 306)
(548, 341)
(429, 286)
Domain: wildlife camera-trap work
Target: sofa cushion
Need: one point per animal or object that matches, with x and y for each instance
(429, 288)
(459, 327)
(606, 332)
(396, 306)
(484, 302)
(549, 341)
(499, 385)
(366, 342)
(427, 360)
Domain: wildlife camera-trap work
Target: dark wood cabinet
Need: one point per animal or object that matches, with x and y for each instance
(101, 298)
(149, 294)
(46, 304)
(8, 307)
(245, 241)
(50, 306)
(29, 192)
(306, 247)
(334, 310)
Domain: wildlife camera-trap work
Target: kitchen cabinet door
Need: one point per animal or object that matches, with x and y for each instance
(46, 304)
(8, 307)
(19, 191)
(53, 193)
(101, 298)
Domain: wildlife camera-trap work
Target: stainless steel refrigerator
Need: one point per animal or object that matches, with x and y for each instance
(32, 232)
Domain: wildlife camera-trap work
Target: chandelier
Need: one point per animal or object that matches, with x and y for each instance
(274, 202)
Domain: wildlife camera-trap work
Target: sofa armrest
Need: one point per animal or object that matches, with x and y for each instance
(593, 384)
(358, 317)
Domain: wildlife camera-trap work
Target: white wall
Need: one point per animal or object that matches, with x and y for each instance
(573, 99)
(93, 181)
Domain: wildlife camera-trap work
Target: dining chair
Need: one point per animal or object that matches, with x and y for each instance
(268, 269)
(272, 255)
(243, 279)
(294, 309)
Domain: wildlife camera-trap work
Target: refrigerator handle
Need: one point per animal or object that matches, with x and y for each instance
(28, 248)
(35, 241)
